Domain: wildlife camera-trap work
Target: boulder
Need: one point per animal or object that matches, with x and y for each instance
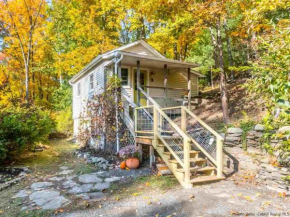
(259, 127)
(284, 129)
(41, 185)
(101, 186)
(235, 130)
(89, 178)
(43, 197)
(56, 203)
(81, 189)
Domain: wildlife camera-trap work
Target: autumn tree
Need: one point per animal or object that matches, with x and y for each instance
(23, 20)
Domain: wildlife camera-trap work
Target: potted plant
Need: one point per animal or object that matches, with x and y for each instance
(131, 155)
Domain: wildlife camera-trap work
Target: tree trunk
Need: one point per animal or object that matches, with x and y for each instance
(230, 56)
(223, 89)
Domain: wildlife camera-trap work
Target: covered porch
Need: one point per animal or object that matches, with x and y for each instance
(168, 82)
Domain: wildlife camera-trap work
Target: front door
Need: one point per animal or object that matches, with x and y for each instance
(143, 82)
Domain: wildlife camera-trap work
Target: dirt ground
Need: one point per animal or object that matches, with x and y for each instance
(241, 104)
(225, 198)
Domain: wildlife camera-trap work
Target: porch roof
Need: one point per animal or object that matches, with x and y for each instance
(153, 62)
(131, 59)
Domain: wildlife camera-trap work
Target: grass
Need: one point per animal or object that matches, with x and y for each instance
(59, 151)
(41, 164)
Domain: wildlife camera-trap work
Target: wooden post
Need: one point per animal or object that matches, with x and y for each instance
(135, 119)
(183, 120)
(165, 73)
(152, 157)
(189, 88)
(118, 73)
(140, 152)
(138, 83)
(219, 157)
(186, 146)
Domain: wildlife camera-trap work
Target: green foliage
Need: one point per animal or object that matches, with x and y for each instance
(64, 121)
(22, 128)
(246, 125)
(62, 104)
(62, 97)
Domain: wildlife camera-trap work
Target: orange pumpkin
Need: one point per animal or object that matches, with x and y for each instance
(123, 165)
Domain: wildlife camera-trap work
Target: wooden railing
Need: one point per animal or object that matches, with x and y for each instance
(180, 137)
(176, 143)
(202, 136)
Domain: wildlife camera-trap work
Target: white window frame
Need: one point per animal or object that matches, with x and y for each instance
(129, 76)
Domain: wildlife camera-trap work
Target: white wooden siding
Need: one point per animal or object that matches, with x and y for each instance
(79, 102)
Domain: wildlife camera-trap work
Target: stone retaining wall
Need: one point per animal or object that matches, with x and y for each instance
(255, 158)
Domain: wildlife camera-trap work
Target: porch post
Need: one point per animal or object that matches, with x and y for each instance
(118, 73)
(189, 88)
(165, 73)
(138, 82)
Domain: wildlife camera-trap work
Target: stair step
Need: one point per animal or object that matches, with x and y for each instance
(181, 152)
(191, 160)
(197, 169)
(161, 145)
(199, 179)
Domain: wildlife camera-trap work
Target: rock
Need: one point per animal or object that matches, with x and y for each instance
(56, 203)
(81, 189)
(284, 129)
(65, 172)
(259, 127)
(24, 208)
(222, 135)
(105, 167)
(64, 168)
(56, 179)
(102, 174)
(69, 184)
(40, 185)
(113, 179)
(89, 178)
(232, 139)
(83, 196)
(95, 159)
(22, 193)
(101, 186)
(42, 197)
(235, 130)
(97, 196)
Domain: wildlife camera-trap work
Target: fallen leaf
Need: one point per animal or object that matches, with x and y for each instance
(258, 194)
(248, 198)
(1, 211)
(100, 206)
(149, 202)
(157, 215)
(191, 196)
(282, 194)
(117, 199)
(135, 194)
(147, 184)
(240, 194)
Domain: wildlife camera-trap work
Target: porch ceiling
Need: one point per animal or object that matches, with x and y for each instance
(131, 59)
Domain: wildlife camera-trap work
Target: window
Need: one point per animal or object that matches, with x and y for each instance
(91, 81)
(125, 76)
(79, 88)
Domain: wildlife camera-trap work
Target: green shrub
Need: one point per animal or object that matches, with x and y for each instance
(22, 128)
(64, 121)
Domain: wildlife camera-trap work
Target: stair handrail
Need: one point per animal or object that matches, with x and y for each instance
(219, 143)
(186, 139)
(157, 107)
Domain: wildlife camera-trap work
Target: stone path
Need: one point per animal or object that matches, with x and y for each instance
(54, 192)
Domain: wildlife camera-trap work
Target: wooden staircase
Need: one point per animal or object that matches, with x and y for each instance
(191, 150)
